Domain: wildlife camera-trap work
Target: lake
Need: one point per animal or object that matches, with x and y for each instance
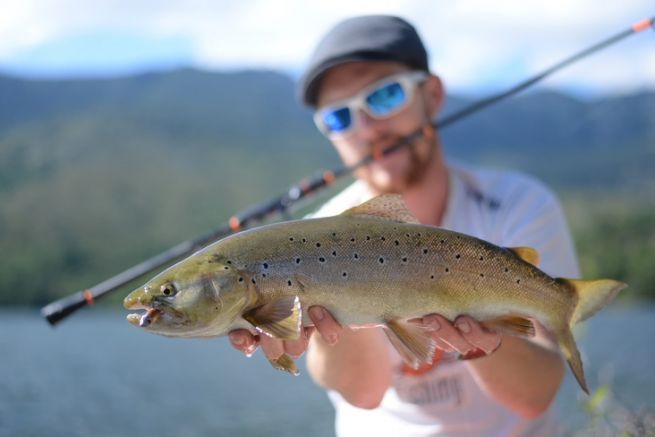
(96, 375)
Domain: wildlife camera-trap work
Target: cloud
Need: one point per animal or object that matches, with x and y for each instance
(472, 42)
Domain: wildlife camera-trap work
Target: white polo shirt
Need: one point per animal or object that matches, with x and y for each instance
(507, 209)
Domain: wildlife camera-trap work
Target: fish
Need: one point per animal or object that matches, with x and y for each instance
(372, 265)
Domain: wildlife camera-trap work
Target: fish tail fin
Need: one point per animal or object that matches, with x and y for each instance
(570, 351)
(592, 296)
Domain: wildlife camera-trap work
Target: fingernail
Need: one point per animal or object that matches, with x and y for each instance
(237, 340)
(465, 327)
(250, 350)
(331, 339)
(434, 324)
(317, 313)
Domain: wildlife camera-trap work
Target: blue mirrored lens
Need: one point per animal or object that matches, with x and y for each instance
(337, 120)
(385, 100)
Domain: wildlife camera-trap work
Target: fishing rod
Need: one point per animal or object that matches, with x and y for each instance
(62, 308)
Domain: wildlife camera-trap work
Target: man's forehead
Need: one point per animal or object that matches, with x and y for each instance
(345, 80)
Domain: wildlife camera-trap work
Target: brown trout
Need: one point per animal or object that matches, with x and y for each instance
(373, 265)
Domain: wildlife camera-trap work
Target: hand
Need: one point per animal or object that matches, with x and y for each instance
(324, 323)
(464, 335)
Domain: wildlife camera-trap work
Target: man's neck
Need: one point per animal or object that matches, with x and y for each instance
(428, 198)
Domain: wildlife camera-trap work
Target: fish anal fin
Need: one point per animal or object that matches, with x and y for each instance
(513, 325)
(386, 206)
(286, 364)
(570, 351)
(281, 318)
(412, 341)
(527, 254)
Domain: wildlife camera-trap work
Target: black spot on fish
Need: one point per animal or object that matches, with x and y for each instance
(442, 241)
(266, 265)
(253, 281)
(334, 234)
(458, 256)
(290, 238)
(352, 240)
(344, 274)
(321, 259)
(304, 240)
(407, 235)
(381, 260)
(418, 235)
(506, 270)
(240, 279)
(482, 275)
(263, 275)
(404, 259)
(447, 269)
(368, 238)
(229, 262)
(334, 253)
(297, 260)
(431, 276)
(226, 268)
(425, 251)
(518, 281)
(383, 239)
(289, 283)
(481, 258)
(396, 242)
(356, 256)
(318, 244)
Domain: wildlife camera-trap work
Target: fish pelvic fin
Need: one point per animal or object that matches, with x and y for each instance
(527, 254)
(285, 363)
(281, 318)
(385, 206)
(513, 325)
(570, 351)
(413, 342)
(592, 295)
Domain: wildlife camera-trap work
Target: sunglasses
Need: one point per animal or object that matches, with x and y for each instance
(380, 100)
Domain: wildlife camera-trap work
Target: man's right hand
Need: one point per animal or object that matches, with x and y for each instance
(324, 323)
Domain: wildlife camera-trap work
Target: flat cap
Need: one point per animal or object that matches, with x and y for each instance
(364, 38)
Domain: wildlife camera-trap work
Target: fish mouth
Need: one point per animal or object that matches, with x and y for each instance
(144, 319)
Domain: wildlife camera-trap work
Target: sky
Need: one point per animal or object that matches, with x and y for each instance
(475, 45)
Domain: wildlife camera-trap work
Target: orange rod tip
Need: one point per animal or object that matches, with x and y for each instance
(88, 297)
(328, 177)
(643, 24)
(235, 223)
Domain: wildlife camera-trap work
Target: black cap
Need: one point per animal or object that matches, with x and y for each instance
(365, 38)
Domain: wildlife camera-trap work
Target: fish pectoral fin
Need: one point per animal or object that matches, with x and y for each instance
(281, 318)
(513, 325)
(386, 206)
(527, 254)
(413, 342)
(285, 363)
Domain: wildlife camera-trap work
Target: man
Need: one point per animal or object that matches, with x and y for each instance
(369, 82)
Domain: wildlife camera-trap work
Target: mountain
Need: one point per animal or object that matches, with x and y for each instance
(98, 174)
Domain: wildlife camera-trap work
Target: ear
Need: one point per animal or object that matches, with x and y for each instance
(435, 96)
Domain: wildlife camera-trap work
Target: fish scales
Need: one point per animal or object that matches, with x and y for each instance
(372, 265)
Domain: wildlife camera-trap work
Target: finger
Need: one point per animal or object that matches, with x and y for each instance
(443, 330)
(295, 348)
(242, 340)
(273, 348)
(325, 324)
(474, 334)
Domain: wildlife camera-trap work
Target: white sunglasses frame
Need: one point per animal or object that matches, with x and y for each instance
(407, 80)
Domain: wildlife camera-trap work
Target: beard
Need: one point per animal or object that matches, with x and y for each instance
(414, 161)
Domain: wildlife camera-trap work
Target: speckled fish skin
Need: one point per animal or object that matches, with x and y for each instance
(368, 266)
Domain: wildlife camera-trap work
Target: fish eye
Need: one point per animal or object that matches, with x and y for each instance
(168, 289)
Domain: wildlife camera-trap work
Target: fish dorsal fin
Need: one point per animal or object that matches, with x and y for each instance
(281, 318)
(527, 254)
(385, 206)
